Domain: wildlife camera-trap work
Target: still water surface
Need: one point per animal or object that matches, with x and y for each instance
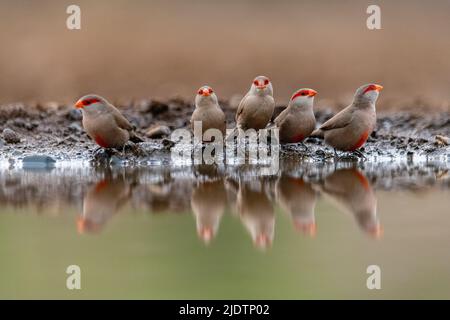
(207, 232)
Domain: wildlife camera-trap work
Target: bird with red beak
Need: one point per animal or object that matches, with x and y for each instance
(208, 111)
(349, 129)
(297, 121)
(256, 108)
(104, 123)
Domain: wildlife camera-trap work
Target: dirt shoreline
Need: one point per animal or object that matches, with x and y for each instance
(55, 131)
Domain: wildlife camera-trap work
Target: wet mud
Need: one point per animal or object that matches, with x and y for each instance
(55, 131)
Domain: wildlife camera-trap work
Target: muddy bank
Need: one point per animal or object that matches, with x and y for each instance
(55, 130)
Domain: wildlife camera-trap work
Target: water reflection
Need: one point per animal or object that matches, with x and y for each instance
(208, 202)
(101, 202)
(210, 192)
(255, 211)
(298, 199)
(352, 192)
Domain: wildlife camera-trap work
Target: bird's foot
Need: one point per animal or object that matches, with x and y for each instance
(102, 155)
(360, 154)
(133, 148)
(325, 155)
(104, 152)
(344, 157)
(98, 150)
(349, 157)
(168, 144)
(305, 147)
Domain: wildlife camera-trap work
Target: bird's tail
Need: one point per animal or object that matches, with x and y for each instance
(270, 126)
(318, 133)
(135, 138)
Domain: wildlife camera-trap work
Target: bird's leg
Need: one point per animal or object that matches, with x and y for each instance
(330, 156)
(336, 156)
(97, 149)
(359, 153)
(306, 149)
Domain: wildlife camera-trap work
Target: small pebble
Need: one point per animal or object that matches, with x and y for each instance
(38, 162)
(75, 127)
(442, 140)
(10, 136)
(75, 115)
(157, 132)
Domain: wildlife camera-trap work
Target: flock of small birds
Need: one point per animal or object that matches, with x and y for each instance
(347, 131)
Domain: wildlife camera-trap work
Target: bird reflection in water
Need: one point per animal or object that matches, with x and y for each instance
(351, 191)
(208, 202)
(298, 199)
(251, 199)
(255, 210)
(101, 202)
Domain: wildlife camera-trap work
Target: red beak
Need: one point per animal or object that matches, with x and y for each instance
(262, 241)
(312, 93)
(81, 225)
(378, 87)
(79, 104)
(206, 233)
(374, 87)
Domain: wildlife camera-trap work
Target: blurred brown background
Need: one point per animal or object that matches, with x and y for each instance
(160, 49)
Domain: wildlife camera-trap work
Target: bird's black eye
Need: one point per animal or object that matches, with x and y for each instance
(303, 93)
(86, 102)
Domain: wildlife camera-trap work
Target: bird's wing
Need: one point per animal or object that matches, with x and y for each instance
(121, 121)
(241, 106)
(281, 117)
(340, 120)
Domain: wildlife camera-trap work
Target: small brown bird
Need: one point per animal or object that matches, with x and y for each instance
(298, 199)
(104, 123)
(350, 190)
(349, 129)
(297, 121)
(208, 111)
(256, 108)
